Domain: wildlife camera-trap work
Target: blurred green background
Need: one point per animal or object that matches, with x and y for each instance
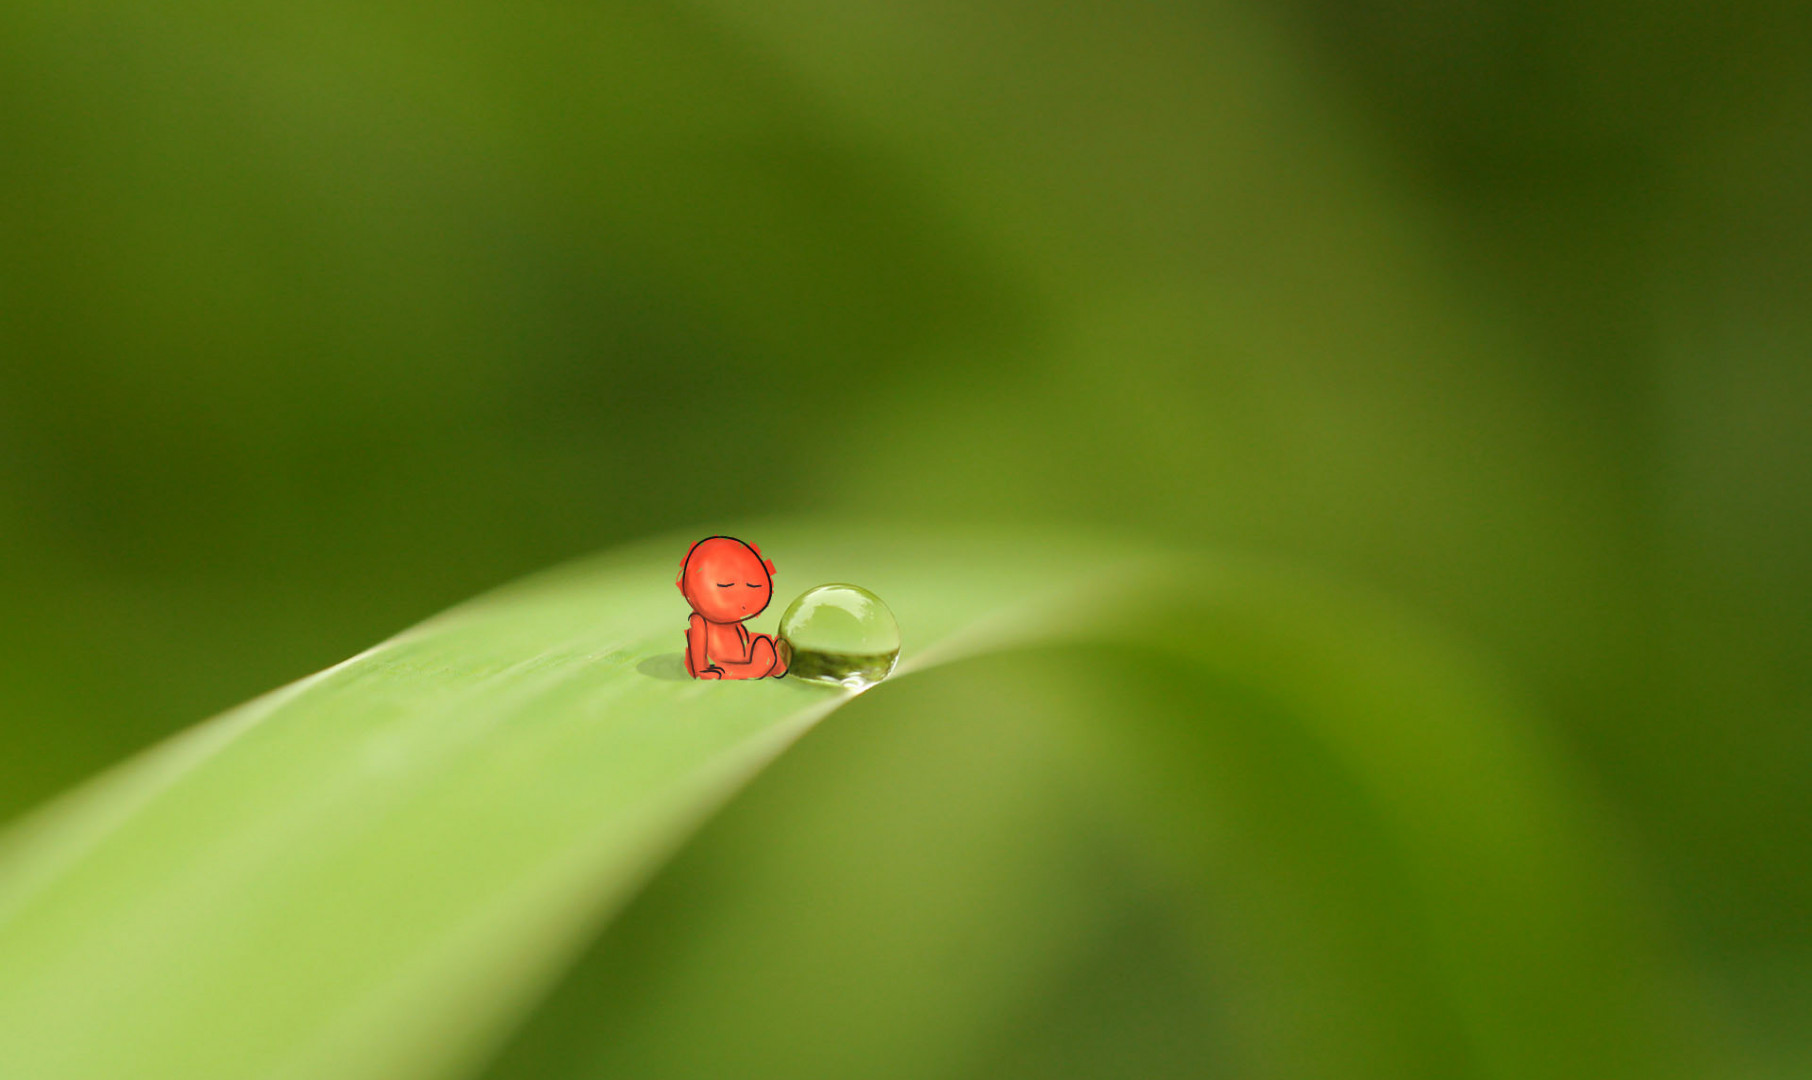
(316, 319)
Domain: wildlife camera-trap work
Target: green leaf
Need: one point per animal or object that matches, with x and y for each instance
(370, 872)
(378, 871)
(1242, 824)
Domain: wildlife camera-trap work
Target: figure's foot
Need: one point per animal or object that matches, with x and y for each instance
(762, 657)
(783, 655)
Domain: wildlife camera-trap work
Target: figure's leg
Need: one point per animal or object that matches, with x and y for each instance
(762, 656)
(760, 662)
(780, 656)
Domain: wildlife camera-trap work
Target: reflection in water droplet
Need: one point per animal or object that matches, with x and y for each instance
(840, 634)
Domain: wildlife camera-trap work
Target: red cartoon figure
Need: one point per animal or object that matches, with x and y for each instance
(727, 581)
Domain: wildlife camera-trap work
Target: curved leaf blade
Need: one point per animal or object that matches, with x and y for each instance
(377, 871)
(369, 873)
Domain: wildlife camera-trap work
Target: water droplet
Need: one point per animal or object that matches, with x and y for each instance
(840, 634)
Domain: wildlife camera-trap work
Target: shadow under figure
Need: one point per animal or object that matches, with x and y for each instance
(668, 666)
(727, 582)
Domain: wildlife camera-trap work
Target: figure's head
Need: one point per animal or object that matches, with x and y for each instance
(726, 580)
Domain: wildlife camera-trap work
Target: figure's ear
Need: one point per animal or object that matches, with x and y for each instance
(768, 563)
(680, 582)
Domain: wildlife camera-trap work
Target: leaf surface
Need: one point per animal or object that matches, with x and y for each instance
(378, 871)
(370, 872)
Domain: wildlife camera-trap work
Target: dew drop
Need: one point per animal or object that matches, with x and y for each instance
(840, 634)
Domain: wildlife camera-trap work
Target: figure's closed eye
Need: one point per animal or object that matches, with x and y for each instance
(752, 585)
(725, 584)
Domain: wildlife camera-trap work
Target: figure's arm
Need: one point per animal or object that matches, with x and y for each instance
(698, 665)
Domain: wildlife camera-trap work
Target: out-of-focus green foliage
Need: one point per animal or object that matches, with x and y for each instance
(316, 319)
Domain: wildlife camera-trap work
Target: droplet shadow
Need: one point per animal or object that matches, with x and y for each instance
(668, 666)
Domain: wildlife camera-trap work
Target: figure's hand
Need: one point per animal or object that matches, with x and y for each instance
(712, 672)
